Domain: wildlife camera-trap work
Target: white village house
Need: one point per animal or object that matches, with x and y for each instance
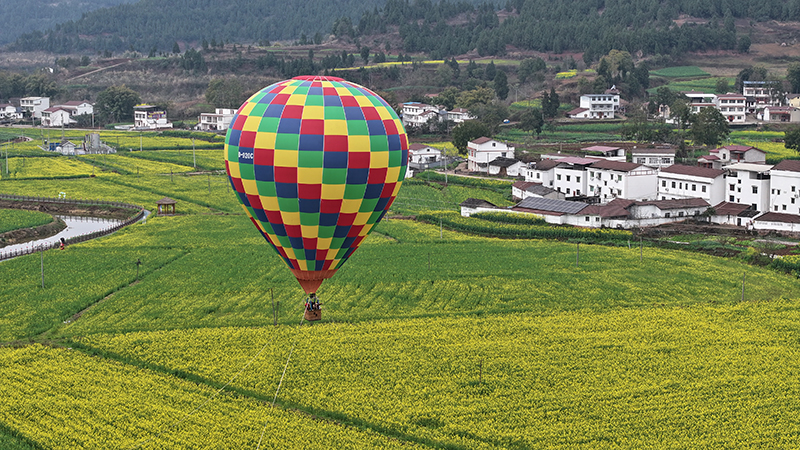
(219, 120)
(57, 116)
(596, 106)
(748, 184)
(785, 187)
(616, 179)
(722, 156)
(484, 150)
(679, 182)
(149, 117)
(34, 106)
(653, 157)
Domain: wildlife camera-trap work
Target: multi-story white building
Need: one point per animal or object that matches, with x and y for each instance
(484, 150)
(458, 115)
(571, 177)
(748, 184)
(149, 117)
(34, 106)
(781, 114)
(78, 107)
(654, 157)
(616, 179)
(57, 116)
(417, 114)
(759, 94)
(679, 181)
(219, 120)
(722, 156)
(699, 100)
(596, 106)
(784, 193)
(732, 107)
(542, 172)
(9, 111)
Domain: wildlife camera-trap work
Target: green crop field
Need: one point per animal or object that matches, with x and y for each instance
(681, 72)
(14, 219)
(431, 338)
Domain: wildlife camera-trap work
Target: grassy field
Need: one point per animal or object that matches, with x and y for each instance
(430, 338)
(14, 219)
(680, 72)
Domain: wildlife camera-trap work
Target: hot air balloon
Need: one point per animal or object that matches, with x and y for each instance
(316, 162)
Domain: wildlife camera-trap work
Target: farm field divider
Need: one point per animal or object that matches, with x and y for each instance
(75, 239)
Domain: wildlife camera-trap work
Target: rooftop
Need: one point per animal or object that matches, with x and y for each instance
(695, 171)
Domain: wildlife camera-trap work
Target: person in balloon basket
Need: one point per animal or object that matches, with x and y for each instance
(312, 304)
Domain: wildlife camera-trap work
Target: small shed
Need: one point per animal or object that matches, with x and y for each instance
(166, 206)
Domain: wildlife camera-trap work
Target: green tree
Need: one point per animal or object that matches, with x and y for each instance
(489, 71)
(529, 67)
(550, 103)
(793, 76)
(470, 99)
(791, 139)
(176, 48)
(501, 85)
(467, 131)
(225, 93)
(743, 45)
(116, 104)
(709, 127)
(447, 98)
(365, 54)
(722, 85)
(531, 119)
(491, 114)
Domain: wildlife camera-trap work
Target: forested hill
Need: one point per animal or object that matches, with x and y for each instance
(440, 28)
(157, 24)
(591, 26)
(20, 17)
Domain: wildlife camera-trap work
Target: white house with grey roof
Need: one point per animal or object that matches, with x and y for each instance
(617, 179)
(484, 150)
(679, 181)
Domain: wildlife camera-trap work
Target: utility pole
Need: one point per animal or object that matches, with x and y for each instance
(194, 159)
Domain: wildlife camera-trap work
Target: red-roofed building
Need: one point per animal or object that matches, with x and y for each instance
(57, 116)
(733, 154)
(484, 150)
(781, 114)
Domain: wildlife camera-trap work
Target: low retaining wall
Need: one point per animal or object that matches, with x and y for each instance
(75, 239)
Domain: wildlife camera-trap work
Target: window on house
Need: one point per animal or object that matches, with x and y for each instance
(587, 218)
(578, 179)
(663, 183)
(730, 199)
(673, 184)
(793, 188)
(703, 188)
(619, 177)
(792, 200)
(568, 190)
(568, 177)
(755, 189)
(776, 207)
(597, 219)
(558, 177)
(784, 207)
(667, 215)
(694, 187)
(538, 175)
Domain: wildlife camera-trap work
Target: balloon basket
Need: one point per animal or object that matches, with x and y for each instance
(313, 315)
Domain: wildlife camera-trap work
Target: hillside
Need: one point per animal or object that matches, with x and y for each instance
(38, 15)
(439, 28)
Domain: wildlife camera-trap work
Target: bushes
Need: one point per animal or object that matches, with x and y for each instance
(484, 227)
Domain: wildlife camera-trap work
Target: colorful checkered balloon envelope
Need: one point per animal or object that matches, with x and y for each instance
(316, 162)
